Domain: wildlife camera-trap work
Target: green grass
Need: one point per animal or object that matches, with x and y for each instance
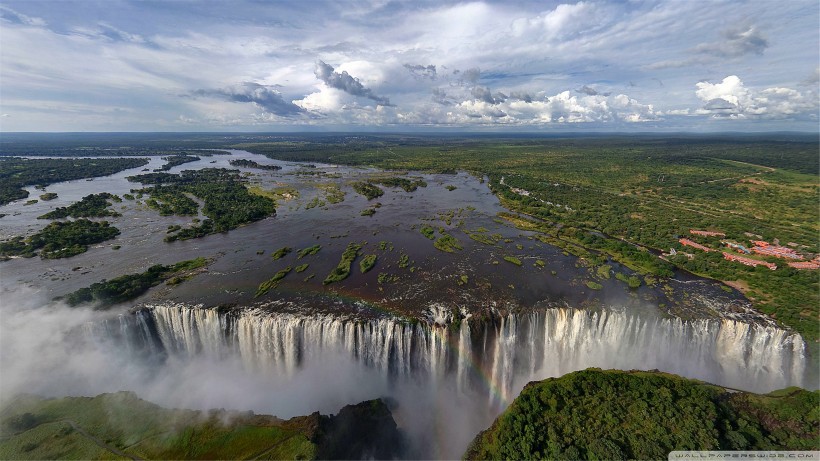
(127, 424)
(301, 268)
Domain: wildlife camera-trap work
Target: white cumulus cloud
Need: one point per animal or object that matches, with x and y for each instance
(730, 98)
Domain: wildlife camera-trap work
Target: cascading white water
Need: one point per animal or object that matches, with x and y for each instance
(498, 356)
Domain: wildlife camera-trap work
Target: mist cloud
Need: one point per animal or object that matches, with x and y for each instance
(345, 82)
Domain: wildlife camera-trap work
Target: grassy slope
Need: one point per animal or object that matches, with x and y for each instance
(122, 426)
(595, 414)
(69, 428)
(646, 192)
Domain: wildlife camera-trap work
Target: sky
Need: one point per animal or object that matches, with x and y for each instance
(379, 65)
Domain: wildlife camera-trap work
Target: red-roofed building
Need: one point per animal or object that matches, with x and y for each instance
(706, 233)
(748, 261)
(689, 243)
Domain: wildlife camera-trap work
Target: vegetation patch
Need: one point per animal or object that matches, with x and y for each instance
(48, 196)
(176, 160)
(368, 212)
(632, 281)
(311, 250)
(593, 285)
(16, 173)
(513, 259)
(404, 183)
(91, 206)
(228, 204)
(342, 270)
(127, 287)
(243, 163)
(428, 232)
(272, 282)
(367, 263)
(60, 239)
(281, 253)
(333, 193)
(447, 243)
(367, 189)
(301, 268)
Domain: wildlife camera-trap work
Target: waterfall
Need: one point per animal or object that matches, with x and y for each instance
(496, 355)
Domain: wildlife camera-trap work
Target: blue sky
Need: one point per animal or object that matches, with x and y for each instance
(629, 65)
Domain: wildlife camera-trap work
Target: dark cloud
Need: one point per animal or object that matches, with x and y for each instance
(483, 93)
(522, 96)
(346, 83)
(440, 96)
(720, 106)
(736, 42)
(263, 96)
(589, 91)
(420, 71)
(471, 75)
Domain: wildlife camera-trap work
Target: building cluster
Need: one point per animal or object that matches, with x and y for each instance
(766, 249)
(813, 264)
(759, 247)
(748, 261)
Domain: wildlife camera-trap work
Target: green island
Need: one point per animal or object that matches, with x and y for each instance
(281, 253)
(367, 189)
(342, 270)
(367, 263)
(243, 163)
(613, 415)
(397, 181)
(48, 196)
(228, 203)
(447, 243)
(311, 250)
(59, 240)
(121, 425)
(106, 293)
(91, 206)
(513, 259)
(627, 199)
(272, 282)
(17, 173)
(176, 160)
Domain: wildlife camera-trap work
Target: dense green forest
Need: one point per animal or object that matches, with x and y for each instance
(228, 204)
(629, 198)
(91, 206)
(127, 287)
(59, 239)
(120, 425)
(614, 415)
(16, 173)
